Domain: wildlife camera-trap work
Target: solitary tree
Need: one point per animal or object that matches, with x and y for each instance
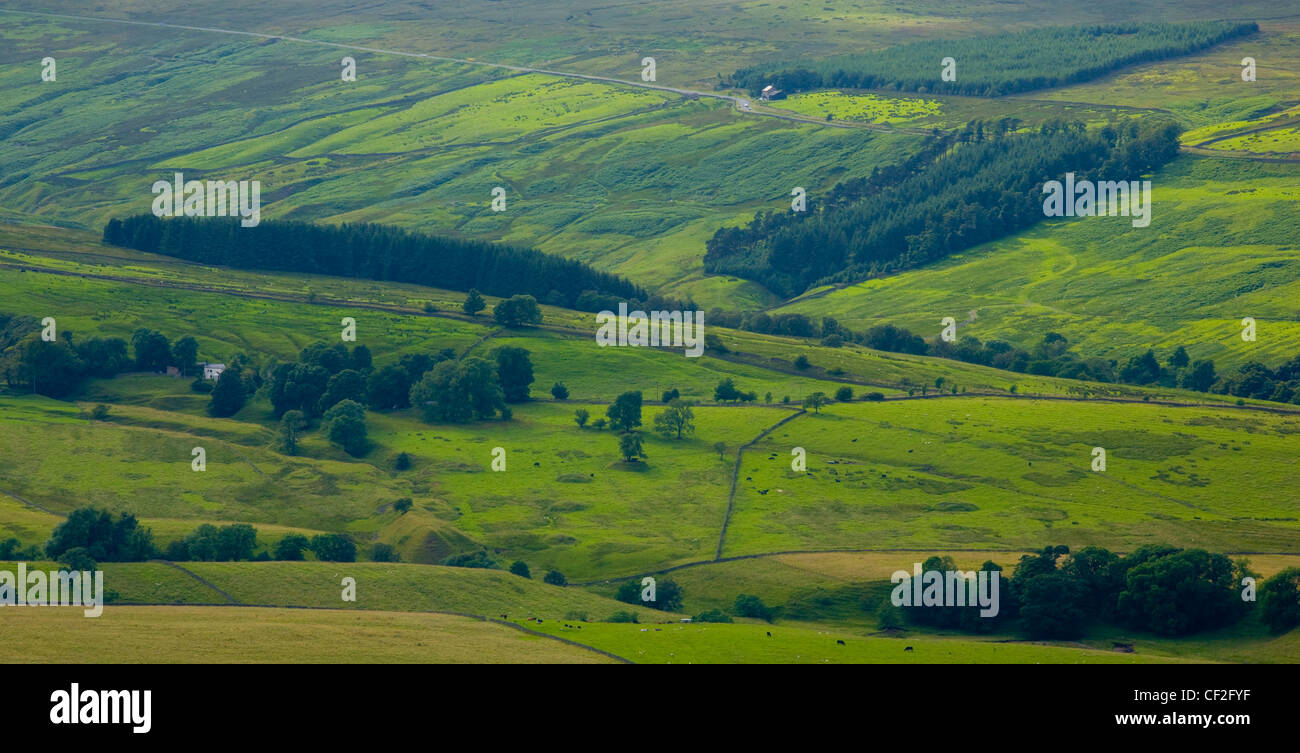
(559, 391)
(580, 417)
(228, 395)
(474, 303)
(514, 372)
(185, 353)
(290, 425)
(629, 444)
(625, 413)
(345, 425)
(677, 418)
(517, 310)
(721, 449)
(816, 401)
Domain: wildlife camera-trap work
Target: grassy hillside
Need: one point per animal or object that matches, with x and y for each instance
(1221, 246)
(633, 177)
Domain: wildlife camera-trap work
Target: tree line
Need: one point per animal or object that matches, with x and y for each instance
(57, 368)
(1056, 594)
(369, 251)
(898, 219)
(90, 536)
(990, 66)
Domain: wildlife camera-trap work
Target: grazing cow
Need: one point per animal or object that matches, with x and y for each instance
(840, 642)
(909, 648)
(769, 635)
(503, 616)
(539, 620)
(530, 619)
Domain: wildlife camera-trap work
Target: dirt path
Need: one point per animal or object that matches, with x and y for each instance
(32, 504)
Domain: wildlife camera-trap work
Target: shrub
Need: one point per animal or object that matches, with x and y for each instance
(291, 547)
(78, 558)
(556, 578)
(403, 462)
(403, 505)
(713, 615)
(479, 559)
(100, 413)
(520, 568)
(622, 617)
(753, 607)
(382, 552)
(334, 547)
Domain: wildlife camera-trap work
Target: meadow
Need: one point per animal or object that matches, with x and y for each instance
(232, 635)
(983, 473)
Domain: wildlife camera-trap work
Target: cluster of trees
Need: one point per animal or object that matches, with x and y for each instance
(990, 66)
(57, 368)
(1256, 380)
(368, 251)
(970, 195)
(667, 595)
(326, 382)
(330, 383)
(1052, 357)
(89, 536)
(99, 536)
(474, 388)
(1055, 594)
(481, 559)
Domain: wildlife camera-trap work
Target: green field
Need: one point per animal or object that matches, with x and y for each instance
(232, 635)
(633, 177)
